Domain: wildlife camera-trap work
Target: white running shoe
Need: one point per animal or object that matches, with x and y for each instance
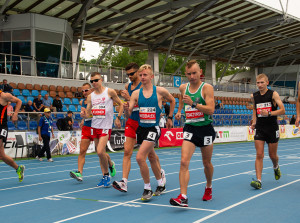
(38, 158)
(50, 160)
(120, 186)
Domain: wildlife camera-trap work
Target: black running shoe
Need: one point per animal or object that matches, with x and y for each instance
(159, 190)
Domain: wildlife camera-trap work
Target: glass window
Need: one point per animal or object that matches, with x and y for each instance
(5, 36)
(48, 37)
(5, 47)
(47, 70)
(47, 52)
(66, 55)
(21, 35)
(21, 48)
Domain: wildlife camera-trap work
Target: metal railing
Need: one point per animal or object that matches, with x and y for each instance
(24, 65)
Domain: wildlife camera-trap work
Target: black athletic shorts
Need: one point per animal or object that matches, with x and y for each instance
(150, 134)
(269, 135)
(3, 133)
(200, 136)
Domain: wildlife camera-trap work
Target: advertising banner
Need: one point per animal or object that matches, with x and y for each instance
(172, 137)
(231, 134)
(250, 134)
(292, 131)
(10, 145)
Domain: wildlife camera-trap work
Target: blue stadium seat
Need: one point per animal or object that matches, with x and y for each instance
(79, 108)
(75, 101)
(30, 98)
(33, 125)
(16, 92)
(22, 125)
(34, 93)
(245, 122)
(67, 101)
(176, 100)
(72, 108)
(64, 108)
(77, 117)
(11, 126)
(236, 122)
(25, 92)
(176, 123)
(227, 122)
(58, 116)
(22, 99)
(76, 125)
(43, 93)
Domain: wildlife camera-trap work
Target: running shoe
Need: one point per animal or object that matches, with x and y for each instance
(277, 173)
(38, 158)
(76, 175)
(50, 160)
(147, 195)
(112, 169)
(20, 171)
(179, 201)
(207, 194)
(105, 182)
(256, 184)
(159, 190)
(163, 176)
(120, 185)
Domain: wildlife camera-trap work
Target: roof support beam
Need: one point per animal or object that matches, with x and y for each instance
(226, 67)
(189, 56)
(4, 6)
(282, 52)
(244, 38)
(202, 35)
(11, 6)
(284, 71)
(168, 53)
(82, 12)
(112, 43)
(247, 61)
(187, 19)
(143, 13)
(275, 65)
(33, 5)
(80, 45)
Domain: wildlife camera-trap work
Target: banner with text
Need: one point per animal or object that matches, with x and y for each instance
(172, 137)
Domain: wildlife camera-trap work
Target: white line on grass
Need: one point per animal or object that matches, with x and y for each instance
(244, 201)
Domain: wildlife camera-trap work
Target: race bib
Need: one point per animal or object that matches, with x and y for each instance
(136, 108)
(193, 114)
(151, 135)
(98, 111)
(3, 132)
(263, 106)
(147, 114)
(207, 140)
(187, 135)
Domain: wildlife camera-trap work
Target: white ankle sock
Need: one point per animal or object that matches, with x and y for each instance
(160, 182)
(147, 186)
(125, 180)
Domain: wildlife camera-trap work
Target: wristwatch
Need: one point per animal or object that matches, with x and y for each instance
(169, 117)
(194, 104)
(269, 114)
(119, 117)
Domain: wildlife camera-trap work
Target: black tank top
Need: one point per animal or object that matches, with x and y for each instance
(265, 102)
(3, 116)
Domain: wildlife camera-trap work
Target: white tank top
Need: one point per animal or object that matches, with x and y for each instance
(102, 110)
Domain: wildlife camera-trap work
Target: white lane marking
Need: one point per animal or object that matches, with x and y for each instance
(244, 201)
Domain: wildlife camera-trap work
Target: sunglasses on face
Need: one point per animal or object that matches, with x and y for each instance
(96, 80)
(86, 90)
(131, 74)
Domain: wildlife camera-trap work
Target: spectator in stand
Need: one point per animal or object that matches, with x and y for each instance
(69, 121)
(167, 108)
(218, 105)
(5, 87)
(48, 103)
(293, 120)
(38, 104)
(29, 108)
(286, 100)
(57, 104)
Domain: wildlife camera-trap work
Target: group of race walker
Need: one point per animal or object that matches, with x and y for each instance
(143, 108)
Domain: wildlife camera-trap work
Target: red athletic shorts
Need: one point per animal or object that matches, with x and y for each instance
(87, 133)
(130, 128)
(98, 133)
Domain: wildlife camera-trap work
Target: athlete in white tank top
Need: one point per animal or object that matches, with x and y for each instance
(102, 110)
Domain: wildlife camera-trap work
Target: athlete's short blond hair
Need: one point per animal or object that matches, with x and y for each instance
(261, 76)
(146, 67)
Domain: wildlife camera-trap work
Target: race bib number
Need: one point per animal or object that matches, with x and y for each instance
(263, 106)
(136, 108)
(98, 111)
(151, 135)
(147, 115)
(277, 134)
(3, 132)
(207, 140)
(193, 114)
(187, 135)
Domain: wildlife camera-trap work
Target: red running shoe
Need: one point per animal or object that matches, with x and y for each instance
(207, 194)
(179, 201)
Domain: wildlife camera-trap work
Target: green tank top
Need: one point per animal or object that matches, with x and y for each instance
(192, 115)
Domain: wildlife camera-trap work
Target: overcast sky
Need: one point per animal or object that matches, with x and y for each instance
(93, 50)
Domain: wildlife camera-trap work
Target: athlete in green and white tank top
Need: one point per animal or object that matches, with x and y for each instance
(193, 115)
